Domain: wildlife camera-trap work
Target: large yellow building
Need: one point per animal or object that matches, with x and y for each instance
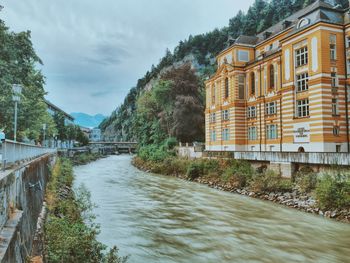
(284, 89)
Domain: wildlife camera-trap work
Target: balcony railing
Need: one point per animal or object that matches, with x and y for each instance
(15, 152)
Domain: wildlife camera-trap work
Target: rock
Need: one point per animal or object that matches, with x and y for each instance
(320, 213)
(251, 194)
(287, 195)
(334, 214)
(327, 214)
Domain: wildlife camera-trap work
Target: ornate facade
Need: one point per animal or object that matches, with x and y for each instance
(284, 89)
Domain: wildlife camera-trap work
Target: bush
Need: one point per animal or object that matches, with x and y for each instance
(333, 191)
(239, 173)
(195, 170)
(211, 166)
(170, 143)
(306, 179)
(154, 153)
(270, 182)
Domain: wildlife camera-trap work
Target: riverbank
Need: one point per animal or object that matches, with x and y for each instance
(70, 233)
(85, 158)
(241, 178)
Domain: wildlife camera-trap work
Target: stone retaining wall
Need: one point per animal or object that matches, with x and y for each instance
(22, 192)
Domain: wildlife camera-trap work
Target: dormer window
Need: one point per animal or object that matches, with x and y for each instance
(243, 55)
(286, 24)
(303, 22)
(267, 34)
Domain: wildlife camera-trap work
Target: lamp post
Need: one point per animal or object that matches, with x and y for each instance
(44, 133)
(16, 97)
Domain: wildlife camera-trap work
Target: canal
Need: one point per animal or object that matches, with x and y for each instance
(163, 219)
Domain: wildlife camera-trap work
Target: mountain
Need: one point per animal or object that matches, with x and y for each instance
(86, 120)
(200, 51)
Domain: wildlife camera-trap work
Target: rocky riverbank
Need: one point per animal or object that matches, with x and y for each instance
(293, 198)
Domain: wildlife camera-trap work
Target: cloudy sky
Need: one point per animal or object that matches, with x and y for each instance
(94, 51)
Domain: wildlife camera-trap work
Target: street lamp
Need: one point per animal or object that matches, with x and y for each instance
(44, 130)
(16, 97)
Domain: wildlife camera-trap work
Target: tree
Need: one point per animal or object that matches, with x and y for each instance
(188, 119)
(18, 66)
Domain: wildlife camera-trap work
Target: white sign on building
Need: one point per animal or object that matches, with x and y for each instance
(301, 133)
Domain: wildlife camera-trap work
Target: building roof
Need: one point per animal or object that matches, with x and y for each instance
(56, 108)
(318, 11)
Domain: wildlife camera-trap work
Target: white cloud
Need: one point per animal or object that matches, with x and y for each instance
(94, 51)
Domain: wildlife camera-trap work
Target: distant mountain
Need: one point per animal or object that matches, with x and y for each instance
(86, 120)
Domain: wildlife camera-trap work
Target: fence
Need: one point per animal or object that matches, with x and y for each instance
(14, 152)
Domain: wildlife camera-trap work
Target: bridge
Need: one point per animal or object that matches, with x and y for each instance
(117, 147)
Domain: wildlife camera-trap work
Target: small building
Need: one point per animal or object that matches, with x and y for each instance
(95, 135)
(53, 109)
(86, 131)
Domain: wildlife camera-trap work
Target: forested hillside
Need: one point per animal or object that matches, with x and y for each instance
(201, 50)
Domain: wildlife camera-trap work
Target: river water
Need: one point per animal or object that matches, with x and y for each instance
(163, 219)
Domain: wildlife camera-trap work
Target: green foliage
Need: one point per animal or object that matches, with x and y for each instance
(306, 179)
(70, 234)
(333, 190)
(84, 158)
(153, 152)
(18, 66)
(195, 170)
(239, 172)
(270, 182)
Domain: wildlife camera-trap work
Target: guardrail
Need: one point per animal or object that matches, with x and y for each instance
(327, 158)
(14, 152)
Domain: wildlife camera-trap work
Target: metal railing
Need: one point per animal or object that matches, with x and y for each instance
(12, 152)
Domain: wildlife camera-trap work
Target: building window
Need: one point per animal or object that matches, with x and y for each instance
(333, 47)
(213, 135)
(225, 134)
(241, 85)
(303, 108)
(335, 107)
(301, 56)
(348, 66)
(272, 77)
(348, 41)
(243, 55)
(213, 95)
(252, 133)
(251, 112)
(252, 83)
(302, 82)
(227, 88)
(225, 115)
(271, 108)
(212, 117)
(334, 79)
(336, 130)
(338, 148)
(271, 131)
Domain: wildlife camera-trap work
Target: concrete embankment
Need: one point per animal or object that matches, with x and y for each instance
(22, 192)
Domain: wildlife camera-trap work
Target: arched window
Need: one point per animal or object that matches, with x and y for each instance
(272, 77)
(252, 83)
(301, 149)
(226, 88)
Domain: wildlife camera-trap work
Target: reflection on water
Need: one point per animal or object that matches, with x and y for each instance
(164, 219)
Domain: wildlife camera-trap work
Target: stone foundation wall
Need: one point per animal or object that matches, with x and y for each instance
(22, 193)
